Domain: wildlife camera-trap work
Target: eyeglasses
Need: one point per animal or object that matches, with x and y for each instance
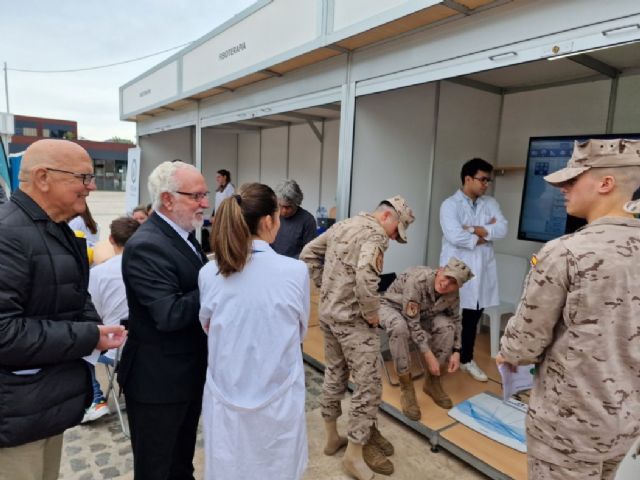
(197, 196)
(86, 178)
(483, 180)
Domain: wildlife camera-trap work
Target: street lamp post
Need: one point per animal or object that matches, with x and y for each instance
(6, 86)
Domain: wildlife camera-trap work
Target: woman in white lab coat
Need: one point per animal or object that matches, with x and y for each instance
(255, 308)
(225, 188)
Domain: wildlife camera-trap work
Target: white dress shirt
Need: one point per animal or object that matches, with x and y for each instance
(108, 293)
(180, 231)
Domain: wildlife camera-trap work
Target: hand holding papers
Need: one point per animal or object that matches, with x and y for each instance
(515, 381)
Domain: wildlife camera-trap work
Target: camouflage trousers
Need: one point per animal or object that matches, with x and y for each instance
(352, 348)
(435, 334)
(563, 467)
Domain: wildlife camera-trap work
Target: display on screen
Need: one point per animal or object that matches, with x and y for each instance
(543, 216)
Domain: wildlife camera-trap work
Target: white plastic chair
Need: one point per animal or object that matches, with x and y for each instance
(511, 274)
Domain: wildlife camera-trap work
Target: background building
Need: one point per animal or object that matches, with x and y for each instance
(109, 158)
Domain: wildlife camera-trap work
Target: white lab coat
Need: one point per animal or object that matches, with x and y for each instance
(226, 192)
(253, 405)
(455, 212)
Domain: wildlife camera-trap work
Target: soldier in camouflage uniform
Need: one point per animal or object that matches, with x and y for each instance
(424, 304)
(579, 321)
(345, 263)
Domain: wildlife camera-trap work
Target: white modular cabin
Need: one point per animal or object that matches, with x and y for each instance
(359, 100)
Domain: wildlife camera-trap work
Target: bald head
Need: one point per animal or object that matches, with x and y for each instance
(52, 154)
(53, 173)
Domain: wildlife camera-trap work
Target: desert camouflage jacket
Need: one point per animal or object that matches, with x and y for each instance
(344, 262)
(413, 294)
(579, 320)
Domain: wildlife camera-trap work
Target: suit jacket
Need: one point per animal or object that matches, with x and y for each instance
(165, 357)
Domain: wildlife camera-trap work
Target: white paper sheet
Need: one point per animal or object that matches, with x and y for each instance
(514, 382)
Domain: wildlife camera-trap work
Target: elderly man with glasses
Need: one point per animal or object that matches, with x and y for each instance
(163, 364)
(471, 221)
(47, 321)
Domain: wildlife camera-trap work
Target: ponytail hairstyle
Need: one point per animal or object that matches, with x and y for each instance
(236, 221)
(89, 221)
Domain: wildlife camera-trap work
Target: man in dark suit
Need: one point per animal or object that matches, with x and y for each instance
(163, 364)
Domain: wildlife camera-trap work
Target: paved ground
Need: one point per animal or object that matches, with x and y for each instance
(105, 206)
(99, 450)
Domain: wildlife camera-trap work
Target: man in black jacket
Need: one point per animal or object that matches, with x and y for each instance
(47, 320)
(164, 361)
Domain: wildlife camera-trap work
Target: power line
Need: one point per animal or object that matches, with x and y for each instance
(99, 66)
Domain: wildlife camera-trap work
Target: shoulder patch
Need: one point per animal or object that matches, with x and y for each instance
(412, 309)
(533, 261)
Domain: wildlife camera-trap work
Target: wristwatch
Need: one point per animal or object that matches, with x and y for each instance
(456, 350)
(470, 229)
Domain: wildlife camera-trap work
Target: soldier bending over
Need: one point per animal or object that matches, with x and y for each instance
(345, 262)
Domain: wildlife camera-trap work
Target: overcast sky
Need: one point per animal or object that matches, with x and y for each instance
(71, 34)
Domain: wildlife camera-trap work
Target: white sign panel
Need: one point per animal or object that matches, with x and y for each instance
(278, 27)
(132, 196)
(155, 87)
(7, 124)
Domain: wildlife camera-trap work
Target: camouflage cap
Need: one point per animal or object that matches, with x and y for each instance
(633, 207)
(405, 215)
(457, 270)
(592, 153)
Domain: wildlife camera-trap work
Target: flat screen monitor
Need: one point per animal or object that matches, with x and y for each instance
(543, 216)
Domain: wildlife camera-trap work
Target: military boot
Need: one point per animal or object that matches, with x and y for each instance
(408, 397)
(333, 441)
(376, 460)
(354, 463)
(376, 438)
(433, 388)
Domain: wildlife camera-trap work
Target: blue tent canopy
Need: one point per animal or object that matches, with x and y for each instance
(15, 159)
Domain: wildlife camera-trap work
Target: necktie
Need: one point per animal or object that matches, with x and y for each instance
(194, 241)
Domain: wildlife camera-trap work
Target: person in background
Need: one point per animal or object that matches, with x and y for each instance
(297, 226)
(87, 225)
(579, 322)
(471, 221)
(225, 188)
(47, 321)
(164, 361)
(110, 299)
(345, 262)
(255, 306)
(140, 214)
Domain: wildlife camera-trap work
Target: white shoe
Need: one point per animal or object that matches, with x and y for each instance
(474, 370)
(96, 411)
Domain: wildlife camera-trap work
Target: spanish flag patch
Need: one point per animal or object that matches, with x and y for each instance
(533, 261)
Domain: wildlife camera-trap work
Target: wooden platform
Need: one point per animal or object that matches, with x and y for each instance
(490, 457)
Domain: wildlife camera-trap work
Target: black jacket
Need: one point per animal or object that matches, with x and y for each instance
(47, 322)
(165, 357)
